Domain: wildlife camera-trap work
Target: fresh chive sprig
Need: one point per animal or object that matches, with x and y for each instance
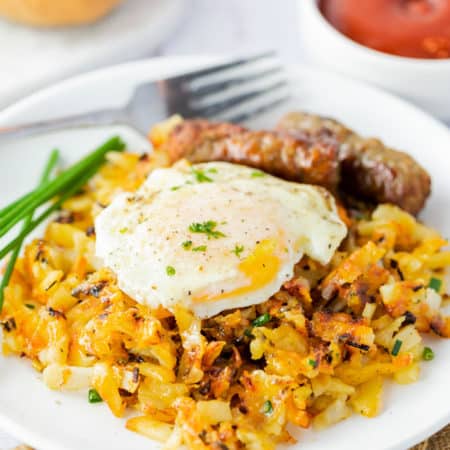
(61, 188)
(51, 163)
(55, 206)
(29, 202)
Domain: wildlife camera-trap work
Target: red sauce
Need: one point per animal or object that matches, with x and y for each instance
(413, 28)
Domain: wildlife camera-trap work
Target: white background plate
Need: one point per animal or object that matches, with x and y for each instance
(60, 421)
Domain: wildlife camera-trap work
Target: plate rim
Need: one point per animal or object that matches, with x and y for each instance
(20, 431)
(199, 60)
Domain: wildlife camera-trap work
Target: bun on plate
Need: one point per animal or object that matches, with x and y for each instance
(56, 12)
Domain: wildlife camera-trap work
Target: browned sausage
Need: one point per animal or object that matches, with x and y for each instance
(369, 169)
(302, 159)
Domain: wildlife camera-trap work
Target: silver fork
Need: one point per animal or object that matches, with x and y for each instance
(233, 91)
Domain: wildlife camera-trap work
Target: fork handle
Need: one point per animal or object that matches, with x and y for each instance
(101, 117)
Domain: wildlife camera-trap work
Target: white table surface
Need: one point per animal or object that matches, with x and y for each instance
(223, 27)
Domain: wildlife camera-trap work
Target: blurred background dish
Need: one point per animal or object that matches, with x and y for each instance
(56, 12)
(135, 29)
(424, 81)
(411, 28)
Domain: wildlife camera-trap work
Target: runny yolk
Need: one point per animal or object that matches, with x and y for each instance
(260, 268)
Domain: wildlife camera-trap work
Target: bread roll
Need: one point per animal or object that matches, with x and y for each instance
(47, 13)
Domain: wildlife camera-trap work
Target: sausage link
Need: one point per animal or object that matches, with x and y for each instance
(369, 169)
(302, 159)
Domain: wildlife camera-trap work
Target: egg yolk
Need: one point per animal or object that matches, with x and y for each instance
(260, 268)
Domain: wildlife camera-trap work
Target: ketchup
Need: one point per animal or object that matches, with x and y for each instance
(413, 28)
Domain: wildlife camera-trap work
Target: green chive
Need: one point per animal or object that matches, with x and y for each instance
(187, 245)
(428, 354)
(170, 271)
(396, 348)
(257, 174)
(238, 249)
(94, 396)
(207, 228)
(50, 165)
(19, 209)
(248, 332)
(261, 320)
(123, 230)
(312, 363)
(175, 188)
(200, 248)
(69, 193)
(212, 170)
(435, 283)
(201, 177)
(29, 306)
(267, 408)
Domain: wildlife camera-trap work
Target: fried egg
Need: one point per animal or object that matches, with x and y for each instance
(214, 236)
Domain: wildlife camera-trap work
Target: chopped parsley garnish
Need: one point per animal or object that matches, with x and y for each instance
(435, 283)
(170, 271)
(201, 176)
(123, 230)
(200, 248)
(267, 408)
(187, 245)
(238, 249)
(258, 174)
(175, 188)
(312, 363)
(396, 348)
(207, 228)
(261, 320)
(212, 170)
(428, 354)
(29, 306)
(94, 396)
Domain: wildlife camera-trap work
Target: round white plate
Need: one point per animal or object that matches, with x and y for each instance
(56, 421)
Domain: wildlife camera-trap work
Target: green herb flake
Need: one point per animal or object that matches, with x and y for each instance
(257, 174)
(187, 245)
(175, 188)
(261, 320)
(30, 306)
(312, 363)
(170, 271)
(396, 348)
(200, 248)
(427, 354)
(201, 176)
(267, 408)
(248, 332)
(94, 396)
(207, 228)
(212, 170)
(435, 283)
(123, 230)
(238, 249)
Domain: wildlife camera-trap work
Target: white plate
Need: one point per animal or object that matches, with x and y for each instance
(55, 421)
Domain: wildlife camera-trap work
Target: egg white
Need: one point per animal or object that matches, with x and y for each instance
(259, 228)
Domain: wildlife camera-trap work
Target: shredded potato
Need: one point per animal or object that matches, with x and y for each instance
(334, 333)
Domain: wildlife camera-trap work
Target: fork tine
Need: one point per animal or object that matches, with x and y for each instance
(231, 65)
(221, 85)
(243, 116)
(235, 100)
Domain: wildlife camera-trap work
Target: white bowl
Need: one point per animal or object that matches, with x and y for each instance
(423, 81)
